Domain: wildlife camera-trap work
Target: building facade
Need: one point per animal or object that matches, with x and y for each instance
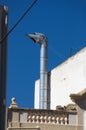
(69, 77)
(70, 117)
(67, 83)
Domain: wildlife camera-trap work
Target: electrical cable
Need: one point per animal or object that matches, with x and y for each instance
(19, 20)
(57, 53)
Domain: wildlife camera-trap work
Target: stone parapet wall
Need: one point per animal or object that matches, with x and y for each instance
(34, 126)
(61, 116)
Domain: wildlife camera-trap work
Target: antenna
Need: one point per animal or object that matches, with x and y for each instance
(71, 50)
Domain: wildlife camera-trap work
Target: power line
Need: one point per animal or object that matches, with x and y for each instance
(57, 53)
(19, 20)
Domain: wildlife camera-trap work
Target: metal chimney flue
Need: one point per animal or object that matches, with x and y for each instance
(44, 91)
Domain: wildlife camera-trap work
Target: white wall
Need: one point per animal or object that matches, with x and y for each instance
(36, 97)
(67, 78)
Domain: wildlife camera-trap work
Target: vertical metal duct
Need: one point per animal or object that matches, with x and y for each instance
(44, 99)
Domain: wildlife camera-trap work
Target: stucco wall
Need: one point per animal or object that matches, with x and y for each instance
(69, 77)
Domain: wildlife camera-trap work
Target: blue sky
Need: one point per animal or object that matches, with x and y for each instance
(62, 21)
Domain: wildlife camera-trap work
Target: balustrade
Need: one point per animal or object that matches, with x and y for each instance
(61, 116)
(55, 119)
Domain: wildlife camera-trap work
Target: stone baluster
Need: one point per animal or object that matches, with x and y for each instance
(61, 120)
(49, 119)
(45, 119)
(41, 119)
(65, 120)
(37, 118)
(53, 119)
(57, 120)
(33, 119)
(29, 118)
